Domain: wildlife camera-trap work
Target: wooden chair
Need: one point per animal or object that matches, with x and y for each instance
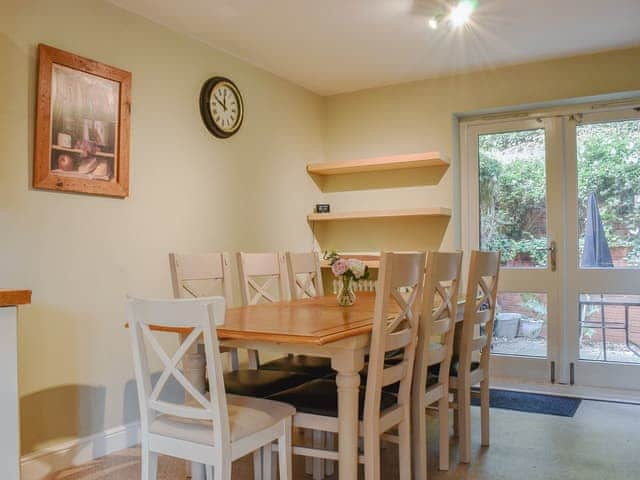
(401, 277)
(203, 275)
(433, 355)
(305, 275)
(263, 278)
(473, 337)
(305, 281)
(200, 275)
(213, 430)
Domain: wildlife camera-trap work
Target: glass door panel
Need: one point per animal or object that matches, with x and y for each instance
(608, 158)
(520, 326)
(603, 172)
(513, 194)
(511, 165)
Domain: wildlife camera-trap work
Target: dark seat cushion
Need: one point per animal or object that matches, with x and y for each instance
(320, 397)
(314, 366)
(453, 370)
(261, 383)
(395, 387)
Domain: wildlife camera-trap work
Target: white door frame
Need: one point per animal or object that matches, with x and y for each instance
(534, 280)
(592, 280)
(563, 349)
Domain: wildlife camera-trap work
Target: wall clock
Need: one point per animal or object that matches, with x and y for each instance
(221, 106)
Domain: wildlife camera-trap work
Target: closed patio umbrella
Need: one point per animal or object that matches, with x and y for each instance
(596, 251)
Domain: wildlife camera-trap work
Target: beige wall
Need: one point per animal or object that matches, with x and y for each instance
(192, 192)
(419, 116)
(189, 192)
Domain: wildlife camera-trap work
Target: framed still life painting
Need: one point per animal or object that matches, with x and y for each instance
(82, 125)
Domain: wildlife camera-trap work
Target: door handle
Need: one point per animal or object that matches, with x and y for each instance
(553, 256)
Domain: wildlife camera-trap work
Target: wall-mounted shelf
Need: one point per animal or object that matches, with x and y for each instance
(395, 162)
(373, 214)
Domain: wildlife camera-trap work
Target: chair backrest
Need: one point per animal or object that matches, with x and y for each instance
(263, 277)
(395, 327)
(200, 316)
(437, 321)
(479, 310)
(201, 275)
(305, 275)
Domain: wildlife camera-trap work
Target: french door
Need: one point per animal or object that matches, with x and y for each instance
(554, 195)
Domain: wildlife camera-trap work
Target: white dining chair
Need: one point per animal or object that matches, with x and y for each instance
(433, 355)
(263, 279)
(473, 338)
(305, 281)
(213, 429)
(305, 275)
(203, 275)
(400, 282)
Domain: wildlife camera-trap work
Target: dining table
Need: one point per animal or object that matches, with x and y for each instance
(314, 326)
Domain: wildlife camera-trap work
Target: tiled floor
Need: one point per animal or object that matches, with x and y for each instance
(602, 442)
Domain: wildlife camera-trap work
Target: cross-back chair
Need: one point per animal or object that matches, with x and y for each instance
(305, 281)
(433, 354)
(395, 327)
(213, 429)
(263, 279)
(473, 338)
(305, 275)
(203, 275)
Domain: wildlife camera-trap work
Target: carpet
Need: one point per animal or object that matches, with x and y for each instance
(531, 402)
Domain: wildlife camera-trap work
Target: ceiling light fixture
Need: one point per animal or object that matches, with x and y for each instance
(461, 13)
(434, 22)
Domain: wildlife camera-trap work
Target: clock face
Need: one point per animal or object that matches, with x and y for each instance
(221, 107)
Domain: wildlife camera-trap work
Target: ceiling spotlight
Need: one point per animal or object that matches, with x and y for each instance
(434, 22)
(461, 13)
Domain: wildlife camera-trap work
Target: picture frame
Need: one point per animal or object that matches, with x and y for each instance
(83, 119)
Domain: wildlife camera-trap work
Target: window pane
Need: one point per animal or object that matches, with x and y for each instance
(609, 194)
(610, 328)
(513, 213)
(520, 327)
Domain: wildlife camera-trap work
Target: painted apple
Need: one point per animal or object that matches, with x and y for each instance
(65, 162)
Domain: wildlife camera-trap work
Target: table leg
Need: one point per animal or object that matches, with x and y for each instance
(348, 381)
(194, 369)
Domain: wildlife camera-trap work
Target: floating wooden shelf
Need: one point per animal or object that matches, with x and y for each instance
(395, 162)
(372, 214)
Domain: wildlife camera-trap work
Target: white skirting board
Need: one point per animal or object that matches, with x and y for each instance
(39, 464)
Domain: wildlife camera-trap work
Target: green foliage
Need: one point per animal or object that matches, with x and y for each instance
(512, 188)
(609, 164)
(512, 195)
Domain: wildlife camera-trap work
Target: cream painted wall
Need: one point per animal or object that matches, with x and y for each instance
(419, 116)
(189, 192)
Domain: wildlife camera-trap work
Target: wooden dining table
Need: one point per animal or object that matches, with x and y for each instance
(313, 326)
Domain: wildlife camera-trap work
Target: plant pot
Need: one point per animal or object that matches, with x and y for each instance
(506, 325)
(530, 328)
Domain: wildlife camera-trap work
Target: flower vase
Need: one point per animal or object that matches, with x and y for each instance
(346, 295)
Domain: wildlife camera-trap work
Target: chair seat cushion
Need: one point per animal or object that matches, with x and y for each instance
(434, 370)
(320, 397)
(261, 383)
(314, 366)
(246, 416)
